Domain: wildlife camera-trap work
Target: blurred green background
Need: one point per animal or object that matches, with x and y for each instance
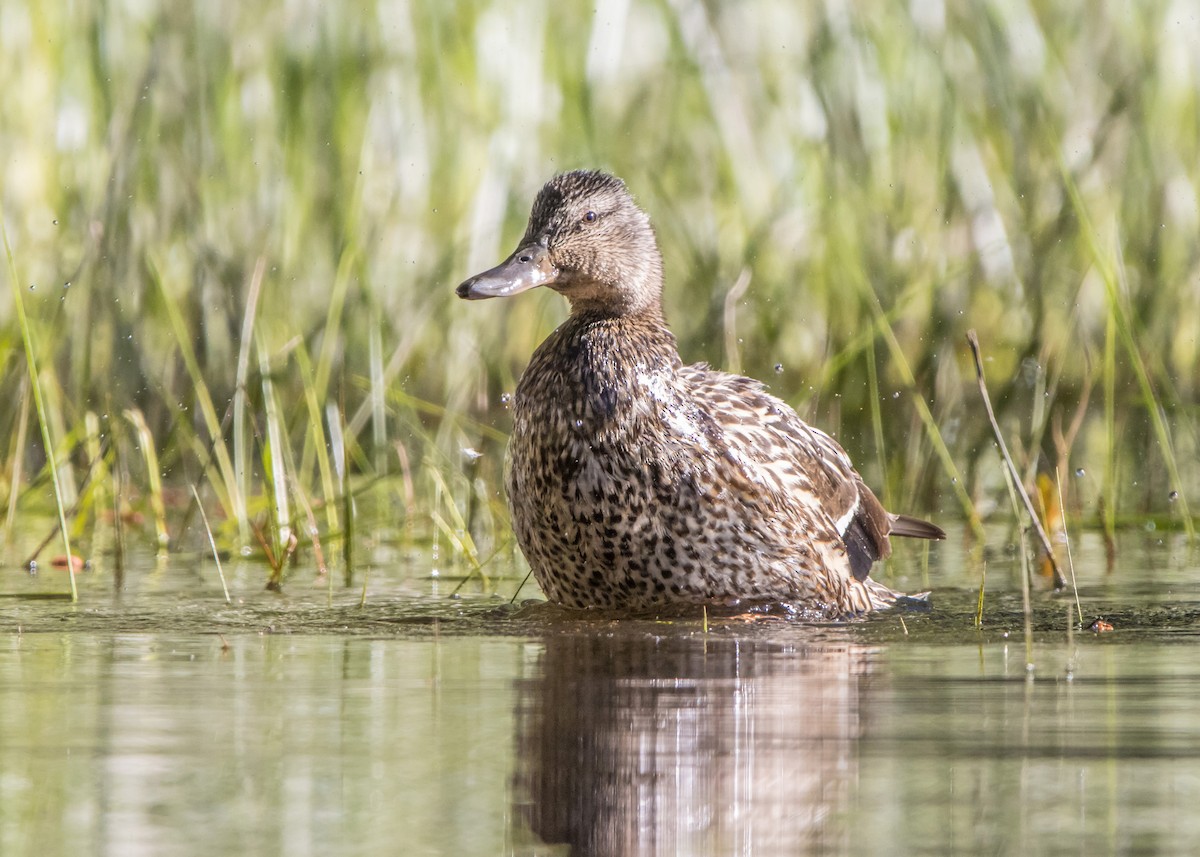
(236, 228)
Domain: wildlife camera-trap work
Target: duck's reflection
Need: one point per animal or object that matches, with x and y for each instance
(689, 745)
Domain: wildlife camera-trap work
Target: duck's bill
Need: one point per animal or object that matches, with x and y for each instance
(527, 268)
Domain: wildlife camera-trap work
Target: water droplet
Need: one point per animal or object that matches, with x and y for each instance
(578, 423)
(1173, 496)
(896, 395)
(55, 222)
(32, 287)
(1079, 471)
(954, 480)
(778, 368)
(505, 398)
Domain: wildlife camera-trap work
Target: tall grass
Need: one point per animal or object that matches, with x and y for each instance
(182, 181)
(43, 417)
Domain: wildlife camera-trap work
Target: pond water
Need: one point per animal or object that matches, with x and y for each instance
(166, 722)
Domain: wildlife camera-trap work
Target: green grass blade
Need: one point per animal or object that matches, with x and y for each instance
(273, 458)
(241, 465)
(146, 442)
(39, 406)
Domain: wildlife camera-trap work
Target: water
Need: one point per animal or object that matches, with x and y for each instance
(166, 722)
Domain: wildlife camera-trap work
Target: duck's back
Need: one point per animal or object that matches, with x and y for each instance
(635, 481)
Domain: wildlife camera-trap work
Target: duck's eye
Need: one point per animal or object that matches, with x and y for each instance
(589, 217)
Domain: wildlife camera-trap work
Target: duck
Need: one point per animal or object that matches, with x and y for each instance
(636, 481)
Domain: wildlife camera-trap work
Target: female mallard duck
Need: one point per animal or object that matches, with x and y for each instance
(636, 481)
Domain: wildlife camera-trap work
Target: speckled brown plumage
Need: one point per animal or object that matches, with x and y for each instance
(637, 481)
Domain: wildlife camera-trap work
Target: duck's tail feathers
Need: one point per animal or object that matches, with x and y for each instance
(915, 528)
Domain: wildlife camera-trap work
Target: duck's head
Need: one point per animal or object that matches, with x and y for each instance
(587, 240)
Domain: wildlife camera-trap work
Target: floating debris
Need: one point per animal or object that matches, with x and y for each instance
(76, 562)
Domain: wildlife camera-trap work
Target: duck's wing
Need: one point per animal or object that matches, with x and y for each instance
(798, 463)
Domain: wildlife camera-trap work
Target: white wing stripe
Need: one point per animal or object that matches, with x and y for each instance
(843, 523)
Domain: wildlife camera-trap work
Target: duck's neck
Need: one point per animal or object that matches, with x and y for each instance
(586, 314)
(628, 338)
(600, 302)
(595, 362)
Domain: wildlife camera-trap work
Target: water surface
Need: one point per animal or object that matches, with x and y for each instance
(163, 721)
